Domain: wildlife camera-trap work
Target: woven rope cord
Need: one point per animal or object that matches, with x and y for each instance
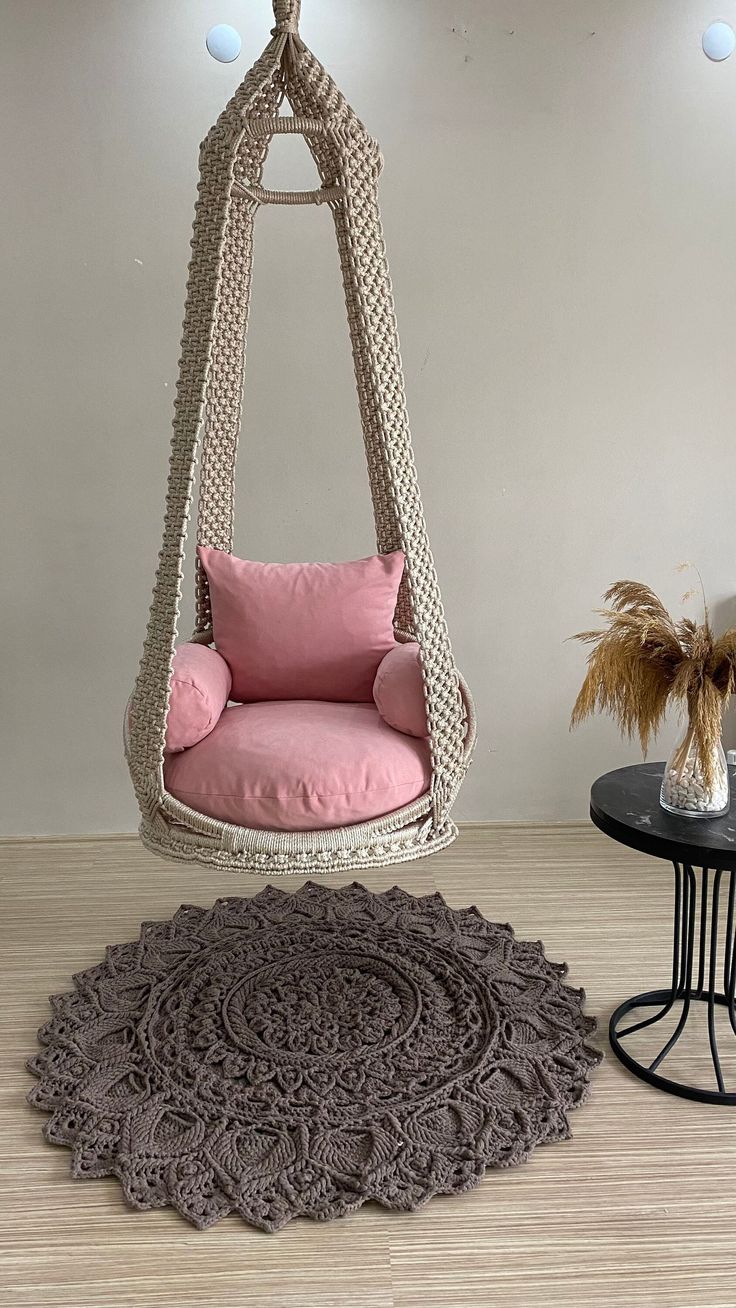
(209, 397)
(286, 13)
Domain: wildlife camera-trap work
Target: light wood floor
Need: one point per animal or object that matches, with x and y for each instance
(639, 1208)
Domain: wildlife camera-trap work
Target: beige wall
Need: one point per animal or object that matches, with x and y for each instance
(560, 205)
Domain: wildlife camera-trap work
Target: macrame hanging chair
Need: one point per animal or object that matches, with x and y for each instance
(207, 412)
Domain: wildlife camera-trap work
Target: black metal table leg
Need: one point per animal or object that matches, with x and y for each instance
(682, 988)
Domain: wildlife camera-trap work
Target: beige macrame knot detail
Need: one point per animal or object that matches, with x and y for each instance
(286, 13)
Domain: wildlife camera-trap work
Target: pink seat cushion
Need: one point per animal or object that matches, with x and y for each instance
(200, 689)
(398, 690)
(300, 765)
(303, 630)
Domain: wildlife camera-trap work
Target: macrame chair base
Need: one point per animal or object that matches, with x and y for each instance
(416, 840)
(299, 1055)
(206, 429)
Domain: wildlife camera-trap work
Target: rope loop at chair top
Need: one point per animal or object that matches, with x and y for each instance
(286, 13)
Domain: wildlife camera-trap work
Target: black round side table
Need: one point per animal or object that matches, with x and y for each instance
(625, 805)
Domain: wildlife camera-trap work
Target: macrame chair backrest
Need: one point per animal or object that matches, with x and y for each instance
(209, 399)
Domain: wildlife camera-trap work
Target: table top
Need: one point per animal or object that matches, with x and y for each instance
(625, 805)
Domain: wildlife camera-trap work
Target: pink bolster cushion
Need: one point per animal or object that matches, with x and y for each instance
(314, 631)
(398, 690)
(200, 689)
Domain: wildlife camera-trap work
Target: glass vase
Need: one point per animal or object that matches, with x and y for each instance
(690, 788)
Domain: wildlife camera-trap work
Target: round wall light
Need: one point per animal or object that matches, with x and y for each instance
(223, 43)
(719, 41)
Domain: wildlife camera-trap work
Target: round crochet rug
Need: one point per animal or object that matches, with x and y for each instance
(299, 1054)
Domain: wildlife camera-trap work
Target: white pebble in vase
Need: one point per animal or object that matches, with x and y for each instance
(719, 41)
(223, 43)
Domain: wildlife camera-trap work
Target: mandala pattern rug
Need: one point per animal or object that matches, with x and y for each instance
(299, 1054)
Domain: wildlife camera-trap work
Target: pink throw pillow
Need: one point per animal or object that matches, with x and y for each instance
(303, 630)
(200, 689)
(398, 690)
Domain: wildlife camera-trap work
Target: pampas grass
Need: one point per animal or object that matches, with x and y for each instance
(643, 660)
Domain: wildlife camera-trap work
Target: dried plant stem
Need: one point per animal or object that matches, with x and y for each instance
(680, 758)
